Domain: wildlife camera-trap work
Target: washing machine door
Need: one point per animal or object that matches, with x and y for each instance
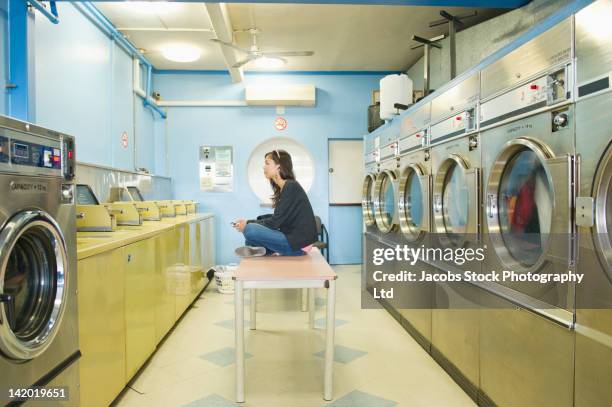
(385, 199)
(413, 202)
(367, 200)
(603, 212)
(528, 205)
(455, 201)
(33, 284)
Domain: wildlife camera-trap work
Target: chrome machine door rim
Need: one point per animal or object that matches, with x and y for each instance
(453, 160)
(13, 230)
(367, 199)
(507, 153)
(377, 197)
(601, 187)
(410, 232)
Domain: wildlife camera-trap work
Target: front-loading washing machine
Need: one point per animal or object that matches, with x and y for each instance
(455, 226)
(414, 215)
(455, 165)
(386, 232)
(527, 141)
(594, 206)
(38, 265)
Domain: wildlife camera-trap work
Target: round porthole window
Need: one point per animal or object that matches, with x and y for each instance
(303, 166)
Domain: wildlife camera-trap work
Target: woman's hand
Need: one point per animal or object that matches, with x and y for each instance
(239, 225)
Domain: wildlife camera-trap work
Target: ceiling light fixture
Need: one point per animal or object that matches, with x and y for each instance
(181, 52)
(269, 63)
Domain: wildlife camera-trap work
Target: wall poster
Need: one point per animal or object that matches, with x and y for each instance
(216, 168)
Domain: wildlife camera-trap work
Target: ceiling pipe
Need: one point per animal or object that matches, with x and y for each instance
(51, 15)
(187, 30)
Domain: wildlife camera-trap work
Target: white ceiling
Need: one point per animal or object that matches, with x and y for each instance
(343, 37)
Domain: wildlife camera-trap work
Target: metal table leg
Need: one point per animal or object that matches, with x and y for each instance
(239, 332)
(253, 308)
(329, 340)
(311, 307)
(304, 299)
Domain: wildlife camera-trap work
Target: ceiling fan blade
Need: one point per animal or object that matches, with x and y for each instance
(290, 54)
(244, 61)
(229, 44)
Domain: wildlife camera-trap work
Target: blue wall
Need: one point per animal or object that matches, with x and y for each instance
(340, 112)
(3, 54)
(83, 87)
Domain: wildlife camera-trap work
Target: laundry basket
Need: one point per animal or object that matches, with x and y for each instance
(223, 278)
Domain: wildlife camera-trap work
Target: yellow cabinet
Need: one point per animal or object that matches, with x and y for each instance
(101, 327)
(140, 300)
(207, 227)
(181, 271)
(165, 258)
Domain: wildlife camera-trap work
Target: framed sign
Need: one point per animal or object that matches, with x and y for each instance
(216, 168)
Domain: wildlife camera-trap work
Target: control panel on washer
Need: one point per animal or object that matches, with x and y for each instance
(30, 153)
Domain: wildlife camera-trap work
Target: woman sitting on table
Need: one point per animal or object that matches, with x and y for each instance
(292, 229)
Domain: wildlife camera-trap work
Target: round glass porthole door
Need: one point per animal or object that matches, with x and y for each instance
(412, 199)
(603, 212)
(367, 200)
(520, 204)
(32, 284)
(385, 201)
(452, 200)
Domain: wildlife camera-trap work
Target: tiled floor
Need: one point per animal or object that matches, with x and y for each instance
(377, 362)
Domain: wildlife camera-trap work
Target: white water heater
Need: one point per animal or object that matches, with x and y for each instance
(394, 89)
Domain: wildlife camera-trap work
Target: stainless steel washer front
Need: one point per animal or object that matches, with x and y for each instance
(33, 282)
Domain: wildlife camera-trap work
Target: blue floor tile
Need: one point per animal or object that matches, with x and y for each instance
(358, 398)
(320, 323)
(213, 400)
(342, 354)
(223, 357)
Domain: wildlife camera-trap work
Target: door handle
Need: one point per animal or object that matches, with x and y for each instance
(10, 308)
(491, 205)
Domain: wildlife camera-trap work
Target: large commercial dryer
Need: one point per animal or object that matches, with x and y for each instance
(38, 303)
(594, 205)
(414, 189)
(455, 164)
(527, 138)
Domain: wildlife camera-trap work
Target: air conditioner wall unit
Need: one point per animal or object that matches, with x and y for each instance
(280, 95)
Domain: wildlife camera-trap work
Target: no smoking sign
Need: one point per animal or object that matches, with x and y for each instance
(280, 123)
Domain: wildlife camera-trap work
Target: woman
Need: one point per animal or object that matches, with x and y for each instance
(292, 227)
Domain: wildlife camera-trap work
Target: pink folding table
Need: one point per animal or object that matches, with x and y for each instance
(306, 272)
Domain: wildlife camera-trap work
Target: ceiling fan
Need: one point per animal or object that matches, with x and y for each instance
(255, 53)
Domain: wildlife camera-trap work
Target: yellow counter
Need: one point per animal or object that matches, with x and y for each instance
(92, 243)
(133, 285)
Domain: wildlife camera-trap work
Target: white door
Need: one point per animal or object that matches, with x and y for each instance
(345, 172)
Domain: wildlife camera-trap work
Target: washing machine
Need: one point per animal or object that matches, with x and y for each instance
(594, 206)
(527, 140)
(455, 165)
(414, 215)
(38, 303)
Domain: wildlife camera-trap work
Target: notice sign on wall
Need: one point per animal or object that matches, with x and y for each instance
(216, 169)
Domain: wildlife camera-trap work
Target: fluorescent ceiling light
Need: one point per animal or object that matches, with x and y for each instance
(181, 52)
(269, 63)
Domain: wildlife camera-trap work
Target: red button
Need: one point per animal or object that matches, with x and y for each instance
(458, 118)
(534, 87)
(69, 154)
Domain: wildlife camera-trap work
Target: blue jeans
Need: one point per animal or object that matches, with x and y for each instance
(274, 241)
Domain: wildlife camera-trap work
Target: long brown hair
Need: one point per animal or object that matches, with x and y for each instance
(282, 158)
